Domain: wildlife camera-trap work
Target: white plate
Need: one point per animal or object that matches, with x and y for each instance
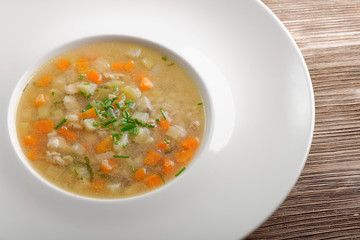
(259, 137)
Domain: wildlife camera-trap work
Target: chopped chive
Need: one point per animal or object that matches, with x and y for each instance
(167, 140)
(183, 169)
(52, 93)
(131, 105)
(151, 126)
(96, 111)
(157, 119)
(127, 114)
(102, 175)
(116, 88)
(25, 87)
(128, 102)
(61, 123)
(162, 112)
(128, 127)
(96, 124)
(125, 145)
(134, 131)
(117, 105)
(87, 83)
(82, 93)
(111, 112)
(76, 172)
(81, 77)
(91, 173)
(119, 156)
(132, 168)
(200, 103)
(59, 102)
(109, 122)
(164, 58)
(171, 64)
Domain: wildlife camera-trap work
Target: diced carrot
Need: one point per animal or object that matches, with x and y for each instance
(105, 145)
(44, 81)
(184, 156)
(68, 134)
(152, 158)
(33, 154)
(139, 75)
(98, 183)
(82, 65)
(145, 84)
(129, 66)
(168, 165)
(88, 114)
(44, 126)
(94, 76)
(164, 124)
(163, 146)
(40, 100)
(118, 66)
(63, 64)
(140, 174)
(190, 143)
(85, 145)
(30, 140)
(108, 165)
(153, 181)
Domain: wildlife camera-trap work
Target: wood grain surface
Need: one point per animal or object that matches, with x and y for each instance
(325, 202)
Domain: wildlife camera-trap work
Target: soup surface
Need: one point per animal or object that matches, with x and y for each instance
(110, 120)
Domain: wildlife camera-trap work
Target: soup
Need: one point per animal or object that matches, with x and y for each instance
(110, 120)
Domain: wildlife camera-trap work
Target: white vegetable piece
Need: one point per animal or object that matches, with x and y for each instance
(176, 132)
(147, 63)
(71, 103)
(144, 105)
(57, 143)
(71, 88)
(88, 124)
(122, 142)
(86, 87)
(44, 112)
(143, 136)
(114, 77)
(72, 117)
(113, 187)
(132, 93)
(133, 52)
(78, 149)
(101, 65)
(141, 116)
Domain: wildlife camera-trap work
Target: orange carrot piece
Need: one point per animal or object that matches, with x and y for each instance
(44, 126)
(105, 145)
(82, 65)
(44, 81)
(33, 154)
(145, 84)
(118, 66)
(40, 100)
(94, 76)
(152, 158)
(63, 64)
(190, 143)
(163, 146)
(184, 156)
(139, 75)
(168, 165)
(68, 134)
(30, 140)
(88, 114)
(164, 124)
(153, 181)
(107, 165)
(98, 183)
(129, 66)
(140, 174)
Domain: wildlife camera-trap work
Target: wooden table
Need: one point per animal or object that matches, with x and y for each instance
(325, 202)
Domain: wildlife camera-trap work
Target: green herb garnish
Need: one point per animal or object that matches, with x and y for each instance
(157, 119)
(119, 156)
(87, 83)
(61, 123)
(167, 140)
(25, 87)
(132, 168)
(81, 77)
(116, 88)
(200, 103)
(109, 122)
(96, 124)
(82, 93)
(128, 127)
(59, 102)
(162, 112)
(91, 173)
(76, 172)
(183, 169)
(53, 93)
(164, 58)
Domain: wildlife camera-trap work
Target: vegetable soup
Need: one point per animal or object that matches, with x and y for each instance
(110, 120)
